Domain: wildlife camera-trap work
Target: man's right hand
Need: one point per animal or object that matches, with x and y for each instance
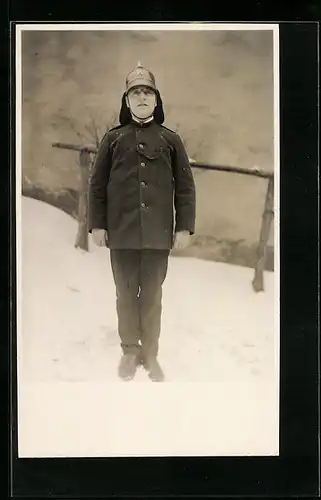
(100, 237)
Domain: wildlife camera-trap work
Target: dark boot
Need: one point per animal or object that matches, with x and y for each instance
(155, 371)
(127, 366)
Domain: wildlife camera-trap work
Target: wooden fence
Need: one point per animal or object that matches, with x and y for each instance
(267, 216)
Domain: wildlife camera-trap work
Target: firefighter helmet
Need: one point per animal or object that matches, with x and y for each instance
(140, 76)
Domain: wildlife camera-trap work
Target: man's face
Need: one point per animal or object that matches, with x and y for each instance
(141, 101)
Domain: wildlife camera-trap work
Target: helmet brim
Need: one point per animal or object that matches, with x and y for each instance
(140, 83)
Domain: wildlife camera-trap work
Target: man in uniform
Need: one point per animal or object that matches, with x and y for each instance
(141, 205)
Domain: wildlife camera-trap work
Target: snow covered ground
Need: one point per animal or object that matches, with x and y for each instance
(219, 350)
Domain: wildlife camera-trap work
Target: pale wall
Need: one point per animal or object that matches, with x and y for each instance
(217, 89)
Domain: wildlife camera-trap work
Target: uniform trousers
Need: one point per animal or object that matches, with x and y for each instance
(139, 276)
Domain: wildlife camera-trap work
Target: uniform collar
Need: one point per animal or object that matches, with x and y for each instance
(142, 124)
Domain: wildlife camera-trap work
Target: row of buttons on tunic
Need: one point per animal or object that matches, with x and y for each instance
(143, 205)
(142, 163)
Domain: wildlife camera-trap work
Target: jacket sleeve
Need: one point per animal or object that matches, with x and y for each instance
(185, 195)
(97, 209)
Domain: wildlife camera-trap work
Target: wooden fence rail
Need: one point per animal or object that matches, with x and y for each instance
(267, 217)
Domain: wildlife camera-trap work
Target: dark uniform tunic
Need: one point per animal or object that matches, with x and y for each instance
(141, 192)
(141, 177)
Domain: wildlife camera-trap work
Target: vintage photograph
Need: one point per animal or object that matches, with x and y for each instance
(147, 239)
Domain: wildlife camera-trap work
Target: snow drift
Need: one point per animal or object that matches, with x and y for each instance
(218, 348)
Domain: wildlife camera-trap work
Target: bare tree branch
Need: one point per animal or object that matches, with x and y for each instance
(96, 133)
(78, 134)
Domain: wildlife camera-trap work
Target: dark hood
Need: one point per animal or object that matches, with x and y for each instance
(125, 116)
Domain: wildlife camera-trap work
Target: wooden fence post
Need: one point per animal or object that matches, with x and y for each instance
(82, 235)
(267, 218)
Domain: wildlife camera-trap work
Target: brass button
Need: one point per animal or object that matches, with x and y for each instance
(143, 183)
(143, 164)
(141, 146)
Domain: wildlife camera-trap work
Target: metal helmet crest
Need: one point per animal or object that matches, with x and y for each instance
(140, 76)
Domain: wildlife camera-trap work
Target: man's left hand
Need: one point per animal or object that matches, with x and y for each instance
(181, 240)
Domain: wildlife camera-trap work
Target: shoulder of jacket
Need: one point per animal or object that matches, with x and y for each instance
(115, 128)
(112, 133)
(169, 130)
(173, 137)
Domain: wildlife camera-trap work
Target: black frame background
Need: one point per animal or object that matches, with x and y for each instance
(296, 471)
